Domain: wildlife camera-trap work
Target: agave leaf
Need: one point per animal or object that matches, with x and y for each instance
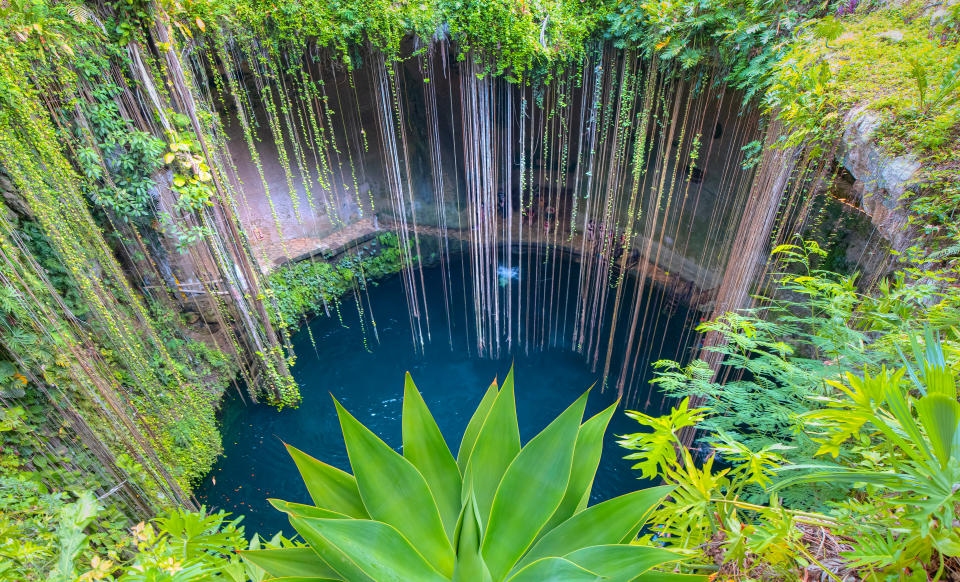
(554, 570)
(497, 445)
(473, 427)
(305, 510)
(394, 492)
(605, 523)
(366, 550)
(531, 490)
(291, 562)
(620, 563)
(423, 445)
(670, 577)
(333, 556)
(888, 479)
(586, 459)
(329, 487)
(940, 415)
(470, 565)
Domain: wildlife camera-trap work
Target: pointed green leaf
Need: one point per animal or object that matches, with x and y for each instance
(470, 566)
(553, 570)
(497, 444)
(940, 415)
(305, 510)
(605, 523)
(423, 445)
(329, 487)
(670, 577)
(302, 579)
(287, 562)
(473, 427)
(586, 459)
(332, 555)
(531, 491)
(620, 562)
(376, 549)
(394, 492)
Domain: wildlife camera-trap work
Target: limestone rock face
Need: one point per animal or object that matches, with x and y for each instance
(882, 180)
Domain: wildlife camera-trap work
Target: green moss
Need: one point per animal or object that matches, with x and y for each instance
(307, 287)
(897, 63)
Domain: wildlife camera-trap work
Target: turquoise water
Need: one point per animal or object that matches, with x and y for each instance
(369, 383)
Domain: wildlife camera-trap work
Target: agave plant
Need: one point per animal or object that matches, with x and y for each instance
(495, 512)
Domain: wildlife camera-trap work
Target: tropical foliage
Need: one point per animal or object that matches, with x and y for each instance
(498, 511)
(831, 445)
(310, 286)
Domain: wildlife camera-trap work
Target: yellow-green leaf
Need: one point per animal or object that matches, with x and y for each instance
(554, 570)
(288, 562)
(531, 490)
(424, 447)
(497, 444)
(609, 522)
(394, 492)
(373, 548)
(329, 487)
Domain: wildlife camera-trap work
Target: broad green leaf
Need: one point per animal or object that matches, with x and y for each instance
(470, 566)
(586, 459)
(305, 510)
(531, 491)
(473, 427)
(620, 563)
(332, 555)
(290, 562)
(605, 523)
(497, 445)
(940, 415)
(394, 492)
(376, 549)
(423, 445)
(553, 570)
(302, 579)
(669, 577)
(329, 487)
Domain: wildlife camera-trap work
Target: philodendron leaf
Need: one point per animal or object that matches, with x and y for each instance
(620, 563)
(605, 523)
(473, 427)
(470, 566)
(394, 492)
(586, 459)
(290, 562)
(497, 445)
(329, 487)
(376, 551)
(423, 445)
(554, 570)
(531, 491)
(940, 415)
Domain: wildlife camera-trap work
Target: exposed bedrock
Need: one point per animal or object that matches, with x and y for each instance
(882, 181)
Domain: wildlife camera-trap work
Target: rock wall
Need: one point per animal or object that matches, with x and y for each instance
(881, 180)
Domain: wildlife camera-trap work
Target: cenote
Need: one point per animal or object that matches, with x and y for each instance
(368, 382)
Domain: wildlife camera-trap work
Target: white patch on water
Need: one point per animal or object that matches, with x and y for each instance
(505, 274)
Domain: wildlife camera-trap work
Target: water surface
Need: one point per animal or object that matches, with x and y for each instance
(368, 381)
